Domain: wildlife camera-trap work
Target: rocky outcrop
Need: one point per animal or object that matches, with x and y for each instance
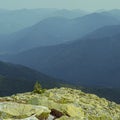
(59, 104)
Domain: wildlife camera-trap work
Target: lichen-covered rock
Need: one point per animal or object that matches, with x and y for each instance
(29, 118)
(67, 103)
(73, 111)
(17, 110)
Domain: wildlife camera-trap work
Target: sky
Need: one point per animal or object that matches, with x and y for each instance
(88, 5)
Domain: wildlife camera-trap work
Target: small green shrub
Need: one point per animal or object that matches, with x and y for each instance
(38, 88)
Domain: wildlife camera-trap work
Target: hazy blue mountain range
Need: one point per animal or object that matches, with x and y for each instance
(90, 61)
(14, 20)
(115, 13)
(70, 13)
(55, 30)
(79, 49)
(109, 30)
(18, 78)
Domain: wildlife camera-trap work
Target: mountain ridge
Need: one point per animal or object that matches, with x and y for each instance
(17, 78)
(82, 61)
(55, 31)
